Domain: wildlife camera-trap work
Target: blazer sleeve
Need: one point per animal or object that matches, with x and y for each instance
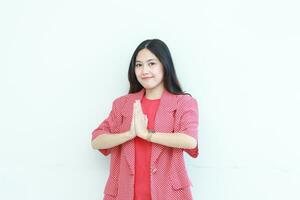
(189, 120)
(110, 125)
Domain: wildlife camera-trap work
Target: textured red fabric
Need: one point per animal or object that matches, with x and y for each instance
(168, 174)
(142, 190)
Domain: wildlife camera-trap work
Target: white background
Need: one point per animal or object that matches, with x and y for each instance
(63, 62)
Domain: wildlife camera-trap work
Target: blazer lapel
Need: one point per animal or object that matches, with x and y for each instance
(167, 103)
(129, 147)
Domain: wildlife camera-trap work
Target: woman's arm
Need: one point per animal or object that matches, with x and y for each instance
(108, 140)
(176, 140)
(105, 141)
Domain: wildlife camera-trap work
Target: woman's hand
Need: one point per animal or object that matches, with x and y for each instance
(140, 120)
(131, 132)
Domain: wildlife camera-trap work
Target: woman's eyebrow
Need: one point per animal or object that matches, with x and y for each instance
(147, 60)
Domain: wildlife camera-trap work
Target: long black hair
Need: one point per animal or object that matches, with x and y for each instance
(162, 52)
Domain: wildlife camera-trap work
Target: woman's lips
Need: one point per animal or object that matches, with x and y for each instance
(145, 78)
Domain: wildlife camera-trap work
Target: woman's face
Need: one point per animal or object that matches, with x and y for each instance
(148, 69)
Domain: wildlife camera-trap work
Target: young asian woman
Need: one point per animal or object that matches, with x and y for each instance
(148, 130)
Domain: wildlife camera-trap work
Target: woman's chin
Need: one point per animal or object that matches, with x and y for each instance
(148, 87)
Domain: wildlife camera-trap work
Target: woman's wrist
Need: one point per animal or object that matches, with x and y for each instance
(129, 135)
(149, 134)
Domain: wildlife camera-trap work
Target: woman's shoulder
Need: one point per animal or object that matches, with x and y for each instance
(187, 102)
(122, 99)
(185, 98)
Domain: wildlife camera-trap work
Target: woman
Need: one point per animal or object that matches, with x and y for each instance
(148, 130)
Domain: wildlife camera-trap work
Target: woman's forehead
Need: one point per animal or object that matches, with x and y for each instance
(145, 55)
(151, 59)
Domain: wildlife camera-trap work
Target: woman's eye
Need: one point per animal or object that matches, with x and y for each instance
(138, 65)
(152, 63)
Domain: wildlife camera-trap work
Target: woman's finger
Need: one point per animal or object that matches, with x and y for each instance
(139, 107)
(134, 108)
(146, 118)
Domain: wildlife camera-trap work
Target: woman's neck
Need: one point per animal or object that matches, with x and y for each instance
(154, 93)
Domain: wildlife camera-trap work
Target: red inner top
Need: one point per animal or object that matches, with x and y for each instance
(143, 148)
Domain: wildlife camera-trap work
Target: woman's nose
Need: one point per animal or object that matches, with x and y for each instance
(145, 69)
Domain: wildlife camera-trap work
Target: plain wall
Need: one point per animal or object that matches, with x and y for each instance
(63, 62)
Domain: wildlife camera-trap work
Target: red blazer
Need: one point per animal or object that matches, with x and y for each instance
(169, 177)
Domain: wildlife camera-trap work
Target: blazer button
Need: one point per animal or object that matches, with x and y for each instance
(154, 170)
